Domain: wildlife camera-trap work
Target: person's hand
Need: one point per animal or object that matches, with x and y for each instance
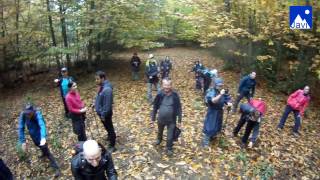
(24, 147)
(43, 142)
(56, 80)
(152, 124)
(179, 125)
(83, 110)
(223, 91)
(238, 94)
(150, 77)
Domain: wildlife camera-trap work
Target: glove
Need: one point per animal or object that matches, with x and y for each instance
(43, 142)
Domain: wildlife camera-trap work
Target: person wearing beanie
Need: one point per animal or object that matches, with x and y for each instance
(77, 111)
(135, 66)
(94, 162)
(33, 119)
(215, 99)
(296, 103)
(63, 82)
(152, 73)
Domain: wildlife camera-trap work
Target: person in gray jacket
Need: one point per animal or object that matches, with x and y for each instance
(167, 102)
(103, 106)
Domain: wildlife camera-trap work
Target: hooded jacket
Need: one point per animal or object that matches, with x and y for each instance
(298, 101)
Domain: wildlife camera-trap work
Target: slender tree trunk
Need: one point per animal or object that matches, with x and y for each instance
(64, 31)
(53, 37)
(3, 35)
(90, 45)
(17, 4)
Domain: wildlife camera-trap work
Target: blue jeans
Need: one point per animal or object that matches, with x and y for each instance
(297, 118)
(149, 90)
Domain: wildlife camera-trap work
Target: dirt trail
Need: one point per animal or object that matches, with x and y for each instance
(137, 158)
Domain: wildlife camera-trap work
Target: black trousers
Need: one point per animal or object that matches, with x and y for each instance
(249, 127)
(5, 172)
(78, 125)
(46, 153)
(241, 96)
(66, 110)
(170, 133)
(108, 125)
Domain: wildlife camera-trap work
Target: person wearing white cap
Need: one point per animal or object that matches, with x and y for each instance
(152, 74)
(94, 162)
(63, 82)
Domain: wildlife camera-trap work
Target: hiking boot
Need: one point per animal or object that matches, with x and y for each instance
(169, 152)
(57, 173)
(296, 134)
(112, 149)
(158, 142)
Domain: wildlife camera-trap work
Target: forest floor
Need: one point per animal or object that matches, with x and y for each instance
(279, 154)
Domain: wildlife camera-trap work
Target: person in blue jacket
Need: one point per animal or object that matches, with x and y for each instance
(246, 89)
(63, 82)
(197, 68)
(32, 117)
(215, 98)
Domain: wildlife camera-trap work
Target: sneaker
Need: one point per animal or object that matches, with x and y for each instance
(169, 152)
(158, 142)
(279, 129)
(296, 134)
(250, 145)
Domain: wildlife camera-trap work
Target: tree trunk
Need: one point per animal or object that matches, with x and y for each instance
(17, 4)
(90, 45)
(3, 35)
(64, 31)
(53, 37)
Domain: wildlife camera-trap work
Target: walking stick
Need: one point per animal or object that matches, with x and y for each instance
(95, 119)
(88, 125)
(226, 119)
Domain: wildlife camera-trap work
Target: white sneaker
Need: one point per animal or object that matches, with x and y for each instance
(250, 144)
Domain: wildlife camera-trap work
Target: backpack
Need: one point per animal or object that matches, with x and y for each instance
(152, 69)
(77, 148)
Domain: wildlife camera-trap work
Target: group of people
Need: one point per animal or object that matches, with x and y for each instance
(93, 161)
(252, 112)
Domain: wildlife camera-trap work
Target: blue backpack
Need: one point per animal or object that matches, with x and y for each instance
(152, 69)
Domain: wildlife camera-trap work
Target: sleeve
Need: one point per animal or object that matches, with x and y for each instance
(303, 108)
(241, 84)
(110, 170)
(106, 102)
(59, 82)
(70, 106)
(156, 104)
(43, 130)
(21, 126)
(179, 109)
(75, 170)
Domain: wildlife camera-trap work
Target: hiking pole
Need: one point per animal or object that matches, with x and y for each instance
(95, 119)
(226, 119)
(88, 125)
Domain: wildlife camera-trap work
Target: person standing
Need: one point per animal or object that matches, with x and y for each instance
(94, 162)
(77, 111)
(168, 106)
(135, 66)
(32, 117)
(103, 106)
(296, 103)
(215, 99)
(197, 68)
(63, 82)
(5, 172)
(246, 89)
(152, 74)
(165, 67)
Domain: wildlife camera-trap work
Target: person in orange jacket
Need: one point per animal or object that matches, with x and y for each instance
(296, 103)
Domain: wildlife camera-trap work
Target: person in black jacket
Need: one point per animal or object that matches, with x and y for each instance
(104, 107)
(93, 163)
(5, 172)
(135, 66)
(167, 102)
(246, 89)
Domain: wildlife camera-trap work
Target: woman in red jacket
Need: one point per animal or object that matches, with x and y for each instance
(77, 111)
(297, 103)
